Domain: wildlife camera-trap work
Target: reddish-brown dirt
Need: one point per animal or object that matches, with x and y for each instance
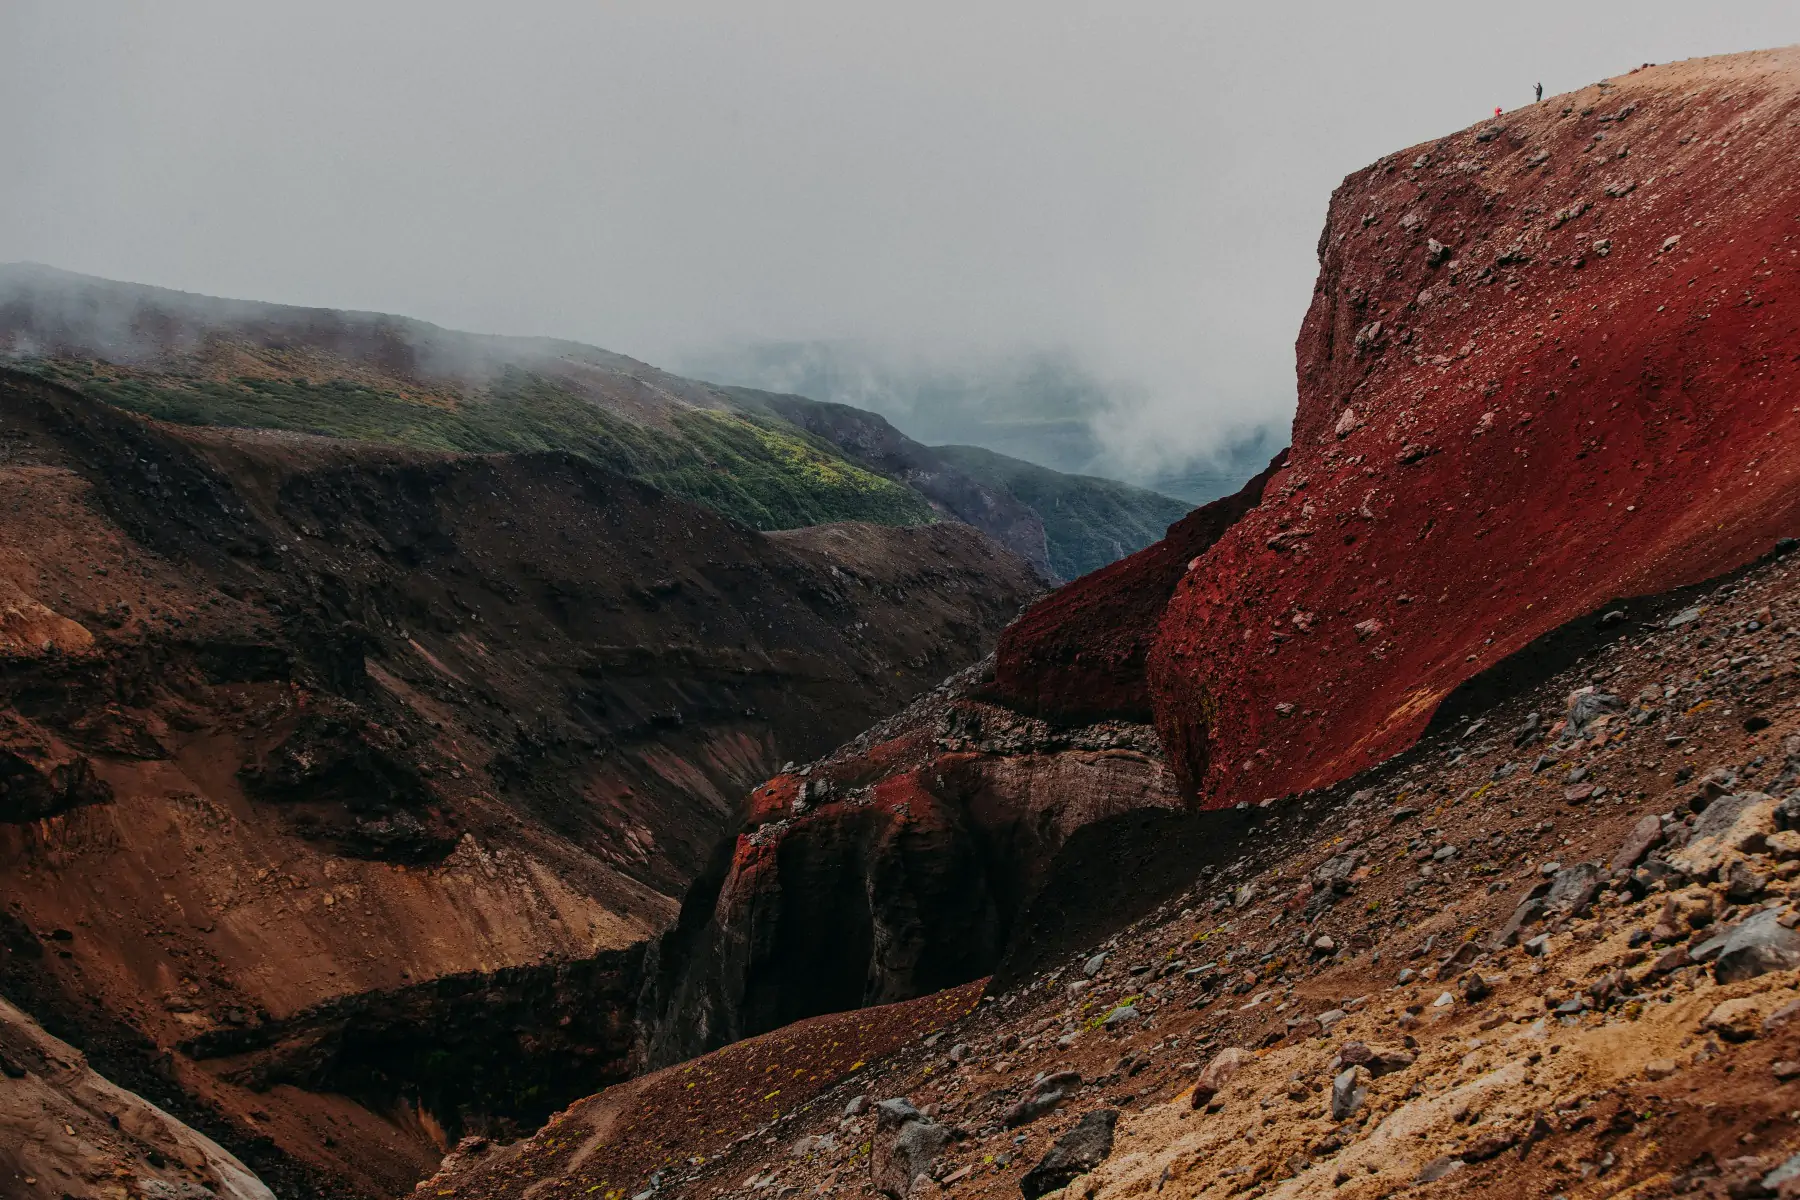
(1550, 361)
(340, 787)
(1079, 653)
(697, 1110)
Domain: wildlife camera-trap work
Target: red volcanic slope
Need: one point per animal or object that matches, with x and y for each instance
(1549, 361)
(1079, 653)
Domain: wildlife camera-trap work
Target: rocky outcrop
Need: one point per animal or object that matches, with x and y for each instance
(1540, 373)
(896, 866)
(1079, 654)
(1549, 363)
(339, 775)
(1513, 411)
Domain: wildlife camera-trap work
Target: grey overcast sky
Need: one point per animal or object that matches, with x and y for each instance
(1141, 184)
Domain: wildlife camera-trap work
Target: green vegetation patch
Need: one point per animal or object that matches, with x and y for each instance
(754, 468)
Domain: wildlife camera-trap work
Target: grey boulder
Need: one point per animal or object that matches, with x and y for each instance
(905, 1146)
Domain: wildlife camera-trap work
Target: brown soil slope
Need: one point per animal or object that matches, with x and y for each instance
(340, 786)
(66, 1132)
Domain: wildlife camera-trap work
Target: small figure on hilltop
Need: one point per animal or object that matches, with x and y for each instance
(1540, 92)
(1496, 110)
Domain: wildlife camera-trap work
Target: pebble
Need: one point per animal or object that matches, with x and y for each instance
(1439, 1167)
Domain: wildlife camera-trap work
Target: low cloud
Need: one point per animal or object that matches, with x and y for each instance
(1134, 192)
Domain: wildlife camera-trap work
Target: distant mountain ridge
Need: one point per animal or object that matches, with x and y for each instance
(1043, 406)
(770, 462)
(1089, 521)
(1081, 522)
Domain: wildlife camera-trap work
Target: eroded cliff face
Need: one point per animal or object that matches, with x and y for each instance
(340, 787)
(1549, 363)
(896, 866)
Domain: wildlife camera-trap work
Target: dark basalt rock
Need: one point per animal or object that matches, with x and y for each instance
(1075, 1153)
(30, 791)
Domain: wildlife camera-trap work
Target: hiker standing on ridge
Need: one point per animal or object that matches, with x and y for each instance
(1540, 93)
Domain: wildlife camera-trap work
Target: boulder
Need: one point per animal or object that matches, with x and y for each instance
(1045, 1094)
(1784, 844)
(1377, 1060)
(1348, 1092)
(1755, 947)
(1572, 889)
(1122, 1015)
(1643, 838)
(1784, 1179)
(1218, 1073)
(1528, 910)
(904, 1148)
(1730, 827)
(1075, 1153)
(1742, 883)
(1734, 1020)
(1587, 703)
(1334, 873)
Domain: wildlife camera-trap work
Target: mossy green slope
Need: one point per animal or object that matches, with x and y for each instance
(752, 467)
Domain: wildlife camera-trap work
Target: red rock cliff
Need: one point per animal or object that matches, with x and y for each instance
(1079, 653)
(1549, 361)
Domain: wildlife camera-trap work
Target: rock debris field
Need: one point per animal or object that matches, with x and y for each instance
(1550, 951)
